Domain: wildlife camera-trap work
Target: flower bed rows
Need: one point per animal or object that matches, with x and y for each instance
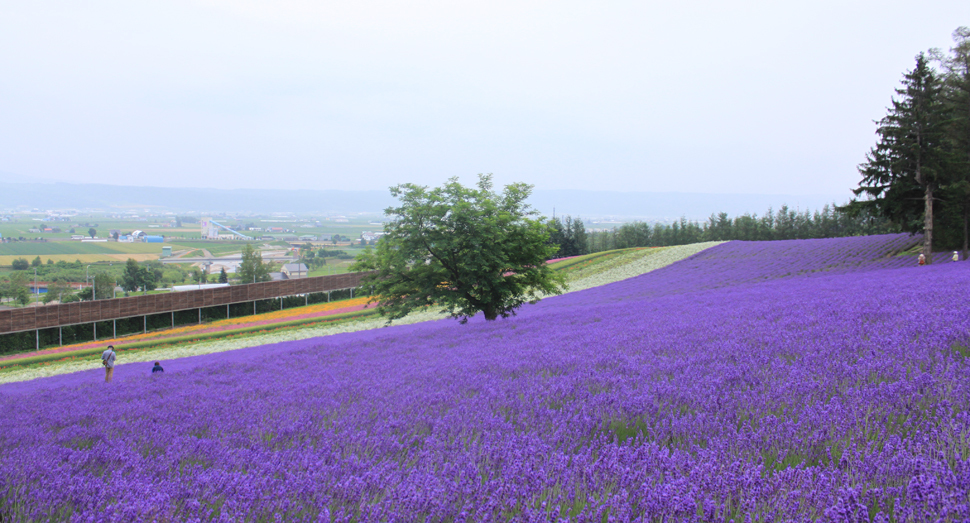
(606, 268)
(840, 396)
(311, 311)
(174, 348)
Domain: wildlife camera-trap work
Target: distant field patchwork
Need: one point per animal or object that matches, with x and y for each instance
(216, 248)
(76, 247)
(86, 258)
(87, 252)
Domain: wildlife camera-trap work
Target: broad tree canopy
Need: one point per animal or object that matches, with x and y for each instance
(463, 249)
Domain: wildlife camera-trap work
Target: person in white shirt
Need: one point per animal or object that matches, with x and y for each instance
(956, 256)
(108, 360)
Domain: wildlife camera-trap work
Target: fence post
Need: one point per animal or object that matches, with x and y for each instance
(60, 336)
(200, 314)
(38, 339)
(173, 319)
(114, 328)
(144, 327)
(95, 331)
(227, 311)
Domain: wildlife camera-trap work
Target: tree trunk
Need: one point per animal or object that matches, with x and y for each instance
(966, 217)
(928, 225)
(490, 312)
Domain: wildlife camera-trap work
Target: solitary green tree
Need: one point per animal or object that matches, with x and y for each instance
(103, 288)
(252, 269)
(16, 288)
(92, 232)
(466, 250)
(148, 278)
(131, 278)
(200, 276)
(37, 262)
(20, 264)
(307, 254)
(59, 291)
(223, 276)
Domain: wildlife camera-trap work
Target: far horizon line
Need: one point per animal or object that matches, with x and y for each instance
(62, 182)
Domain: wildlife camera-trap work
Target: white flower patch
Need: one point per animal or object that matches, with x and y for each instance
(637, 263)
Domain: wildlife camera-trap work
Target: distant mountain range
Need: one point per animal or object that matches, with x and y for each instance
(585, 204)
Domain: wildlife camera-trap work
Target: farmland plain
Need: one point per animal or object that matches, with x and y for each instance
(812, 380)
(88, 252)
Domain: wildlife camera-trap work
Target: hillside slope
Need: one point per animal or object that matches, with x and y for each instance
(765, 393)
(619, 265)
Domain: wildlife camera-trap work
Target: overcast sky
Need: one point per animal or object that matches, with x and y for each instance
(714, 97)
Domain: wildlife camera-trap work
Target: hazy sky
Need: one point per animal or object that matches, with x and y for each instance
(715, 97)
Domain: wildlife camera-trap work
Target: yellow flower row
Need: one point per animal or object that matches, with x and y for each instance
(286, 313)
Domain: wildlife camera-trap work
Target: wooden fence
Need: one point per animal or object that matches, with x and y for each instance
(43, 317)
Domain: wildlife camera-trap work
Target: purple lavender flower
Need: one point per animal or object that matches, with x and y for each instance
(782, 381)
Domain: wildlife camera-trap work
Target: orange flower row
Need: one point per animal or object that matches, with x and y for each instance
(281, 315)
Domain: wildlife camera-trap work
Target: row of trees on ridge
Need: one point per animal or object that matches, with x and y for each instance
(832, 221)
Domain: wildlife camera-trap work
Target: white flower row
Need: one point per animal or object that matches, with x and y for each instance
(638, 263)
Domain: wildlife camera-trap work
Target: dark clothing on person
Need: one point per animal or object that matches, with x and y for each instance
(157, 368)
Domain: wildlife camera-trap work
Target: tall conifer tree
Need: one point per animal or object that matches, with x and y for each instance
(956, 82)
(908, 162)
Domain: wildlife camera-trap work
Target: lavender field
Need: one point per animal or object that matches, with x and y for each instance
(810, 380)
